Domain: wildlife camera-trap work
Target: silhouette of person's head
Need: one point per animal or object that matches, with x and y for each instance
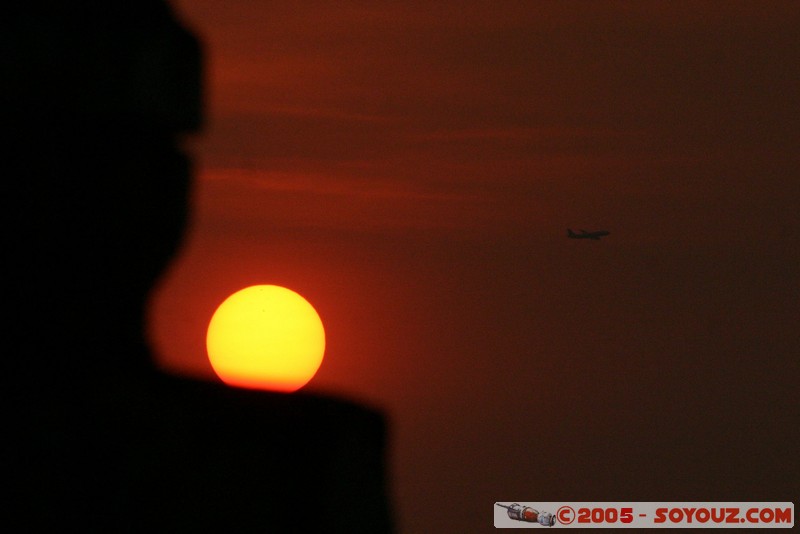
(95, 98)
(100, 94)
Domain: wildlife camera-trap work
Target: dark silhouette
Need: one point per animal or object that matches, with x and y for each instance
(95, 98)
(587, 235)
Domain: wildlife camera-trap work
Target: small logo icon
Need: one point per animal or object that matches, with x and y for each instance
(530, 515)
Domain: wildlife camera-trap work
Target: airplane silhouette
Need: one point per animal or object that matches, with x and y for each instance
(587, 235)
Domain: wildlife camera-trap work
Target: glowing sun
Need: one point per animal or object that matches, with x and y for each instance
(265, 337)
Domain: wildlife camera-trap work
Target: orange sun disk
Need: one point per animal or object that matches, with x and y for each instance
(265, 337)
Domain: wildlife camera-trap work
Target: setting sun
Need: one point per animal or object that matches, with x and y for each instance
(265, 337)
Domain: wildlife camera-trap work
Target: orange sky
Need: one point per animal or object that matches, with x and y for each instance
(411, 169)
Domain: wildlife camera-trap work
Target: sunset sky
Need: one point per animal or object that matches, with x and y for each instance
(411, 169)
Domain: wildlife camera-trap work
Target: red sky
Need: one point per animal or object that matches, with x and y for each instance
(412, 168)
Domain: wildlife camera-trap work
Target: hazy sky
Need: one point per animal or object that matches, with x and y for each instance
(411, 168)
